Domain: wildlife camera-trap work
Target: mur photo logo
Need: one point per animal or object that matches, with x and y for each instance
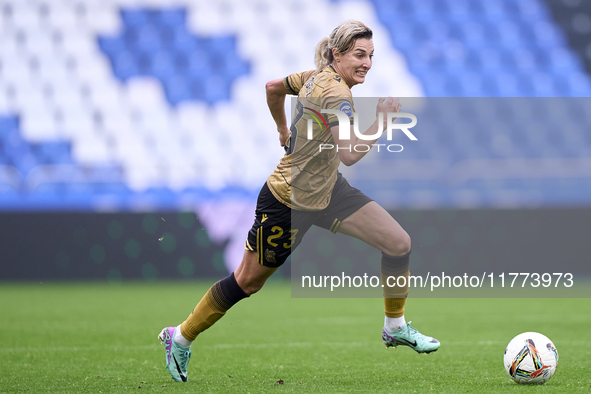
(344, 113)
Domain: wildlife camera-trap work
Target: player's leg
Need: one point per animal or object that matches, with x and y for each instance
(249, 277)
(269, 243)
(375, 226)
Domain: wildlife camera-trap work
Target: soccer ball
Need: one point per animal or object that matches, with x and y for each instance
(530, 358)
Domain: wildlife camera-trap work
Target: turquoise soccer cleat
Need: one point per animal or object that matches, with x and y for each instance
(408, 336)
(177, 356)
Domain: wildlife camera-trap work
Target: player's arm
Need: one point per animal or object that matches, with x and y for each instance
(276, 92)
(347, 154)
(277, 89)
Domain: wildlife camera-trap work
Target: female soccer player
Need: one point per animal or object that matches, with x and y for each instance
(306, 189)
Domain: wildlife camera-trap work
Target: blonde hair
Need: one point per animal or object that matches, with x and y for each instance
(342, 39)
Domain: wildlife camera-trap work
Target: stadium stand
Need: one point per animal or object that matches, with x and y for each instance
(131, 104)
(574, 16)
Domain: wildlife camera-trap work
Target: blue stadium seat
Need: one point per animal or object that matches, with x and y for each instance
(474, 34)
(493, 10)
(434, 84)
(177, 89)
(105, 173)
(183, 40)
(25, 163)
(459, 11)
(159, 195)
(197, 90)
(387, 11)
(134, 17)
(579, 85)
(491, 60)
(543, 85)
(148, 39)
(112, 45)
(199, 63)
(143, 62)
(222, 44)
(217, 63)
(8, 193)
(7, 125)
(163, 65)
(235, 67)
(49, 190)
(548, 35)
(3, 156)
(216, 89)
(402, 36)
(54, 152)
(508, 84)
(125, 65)
(118, 188)
(172, 17)
(564, 62)
(236, 192)
(197, 193)
(72, 189)
(470, 84)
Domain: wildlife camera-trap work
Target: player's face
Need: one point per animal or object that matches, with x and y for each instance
(354, 65)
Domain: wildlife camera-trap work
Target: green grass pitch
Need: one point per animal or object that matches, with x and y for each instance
(90, 337)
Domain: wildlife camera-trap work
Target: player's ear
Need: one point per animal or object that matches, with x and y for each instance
(336, 55)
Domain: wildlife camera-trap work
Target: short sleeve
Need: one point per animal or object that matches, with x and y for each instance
(294, 82)
(338, 97)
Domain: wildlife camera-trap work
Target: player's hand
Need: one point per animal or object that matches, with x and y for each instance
(385, 105)
(284, 136)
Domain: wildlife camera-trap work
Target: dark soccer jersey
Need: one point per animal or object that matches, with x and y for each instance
(306, 175)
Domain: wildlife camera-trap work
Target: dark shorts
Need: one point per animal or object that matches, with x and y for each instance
(278, 229)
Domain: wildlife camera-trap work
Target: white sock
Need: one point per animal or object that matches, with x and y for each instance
(394, 323)
(180, 339)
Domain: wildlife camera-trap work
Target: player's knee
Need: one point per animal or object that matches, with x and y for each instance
(398, 245)
(405, 244)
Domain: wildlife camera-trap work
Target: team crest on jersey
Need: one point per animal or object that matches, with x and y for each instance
(270, 256)
(346, 108)
(338, 79)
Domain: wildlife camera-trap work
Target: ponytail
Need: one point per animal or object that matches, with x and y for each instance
(323, 56)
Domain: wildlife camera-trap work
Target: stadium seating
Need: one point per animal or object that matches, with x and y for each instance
(115, 104)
